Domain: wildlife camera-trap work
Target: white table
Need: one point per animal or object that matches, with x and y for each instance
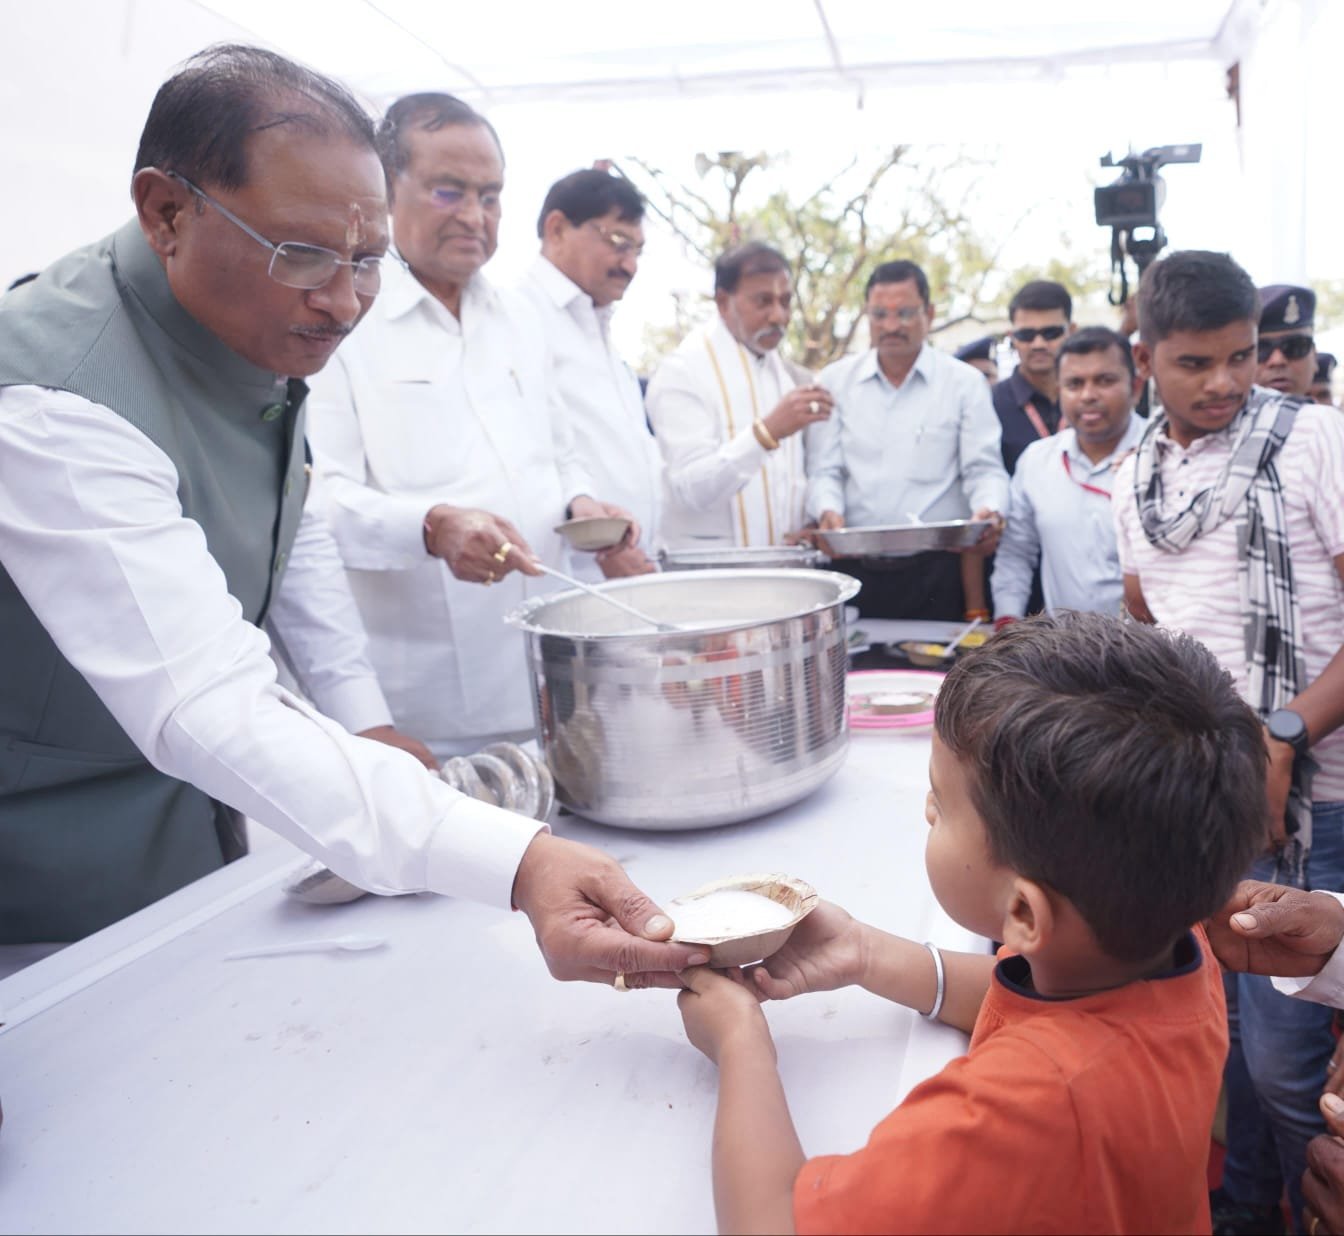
(444, 1082)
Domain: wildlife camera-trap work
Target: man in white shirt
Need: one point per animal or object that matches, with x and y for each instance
(151, 422)
(728, 412)
(913, 434)
(439, 455)
(591, 239)
(1059, 514)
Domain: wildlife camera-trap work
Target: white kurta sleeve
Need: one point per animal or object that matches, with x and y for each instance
(93, 535)
(314, 621)
(375, 531)
(702, 470)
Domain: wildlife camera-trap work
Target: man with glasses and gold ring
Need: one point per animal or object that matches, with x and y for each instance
(591, 240)
(1286, 346)
(438, 440)
(1027, 400)
(152, 518)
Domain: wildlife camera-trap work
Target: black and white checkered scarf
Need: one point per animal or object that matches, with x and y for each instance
(1249, 492)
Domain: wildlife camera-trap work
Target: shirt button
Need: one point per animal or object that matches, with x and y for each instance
(272, 411)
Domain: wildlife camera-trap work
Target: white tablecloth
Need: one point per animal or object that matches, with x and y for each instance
(444, 1081)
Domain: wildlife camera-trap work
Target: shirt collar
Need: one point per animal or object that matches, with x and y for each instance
(402, 291)
(868, 366)
(557, 285)
(1068, 444)
(138, 267)
(1023, 391)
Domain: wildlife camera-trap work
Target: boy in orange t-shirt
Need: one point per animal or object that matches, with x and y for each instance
(1098, 788)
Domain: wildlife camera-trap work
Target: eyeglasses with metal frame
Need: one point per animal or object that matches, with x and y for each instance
(296, 264)
(620, 244)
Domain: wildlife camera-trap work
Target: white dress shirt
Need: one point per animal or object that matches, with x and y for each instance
(887, 451)
(418, 409)
(93, 535)
(722, 486)
(1061, 517)
(597, 395)
(1326, 986)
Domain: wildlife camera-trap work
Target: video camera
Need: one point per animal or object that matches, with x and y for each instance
(1132, 202)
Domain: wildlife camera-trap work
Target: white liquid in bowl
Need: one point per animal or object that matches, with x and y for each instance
(727, 912)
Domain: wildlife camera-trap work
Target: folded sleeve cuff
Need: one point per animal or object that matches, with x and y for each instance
(357, 704)
(475, 852)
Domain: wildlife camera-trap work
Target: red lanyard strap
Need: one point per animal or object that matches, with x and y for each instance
(1092, 489)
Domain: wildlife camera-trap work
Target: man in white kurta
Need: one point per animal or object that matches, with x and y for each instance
(591, 239)
(441, 466)
(727, 411)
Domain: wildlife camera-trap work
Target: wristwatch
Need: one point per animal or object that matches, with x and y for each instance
(1285, 725)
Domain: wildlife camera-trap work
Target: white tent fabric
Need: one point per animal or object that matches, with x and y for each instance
(1055, 82)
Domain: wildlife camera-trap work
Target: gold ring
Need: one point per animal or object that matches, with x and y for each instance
(814, 407)
(619, 983)
(1313, 1225)
(502, 553)
(489, 579)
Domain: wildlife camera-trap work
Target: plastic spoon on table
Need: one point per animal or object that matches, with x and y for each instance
(947, 652)
(337, 944)
(602, 596)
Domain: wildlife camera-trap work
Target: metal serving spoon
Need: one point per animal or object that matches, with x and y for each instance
(603, 596)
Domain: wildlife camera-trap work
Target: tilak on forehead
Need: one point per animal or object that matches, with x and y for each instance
(354, 228)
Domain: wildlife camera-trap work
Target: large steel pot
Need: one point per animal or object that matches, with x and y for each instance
(739, 715)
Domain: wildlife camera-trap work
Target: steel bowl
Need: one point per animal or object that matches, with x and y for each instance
(739, 714)
(734, 557)
(901, 539)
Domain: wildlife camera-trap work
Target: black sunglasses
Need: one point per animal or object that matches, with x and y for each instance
(1026, 334)
(1293, 347)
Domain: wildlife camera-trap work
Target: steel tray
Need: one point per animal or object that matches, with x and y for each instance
(897, 539)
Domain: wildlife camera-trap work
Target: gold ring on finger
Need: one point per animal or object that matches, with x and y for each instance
(619, 983)
(489, 579)
(1313, 1225)
(502, 553)
(814, 407)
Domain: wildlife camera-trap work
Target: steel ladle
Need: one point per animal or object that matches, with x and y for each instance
(603, 596)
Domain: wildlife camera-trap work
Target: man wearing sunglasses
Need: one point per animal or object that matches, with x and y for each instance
(152, 485)
(1027, 400)
(1286, 348)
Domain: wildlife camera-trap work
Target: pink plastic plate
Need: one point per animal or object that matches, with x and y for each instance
(891, 699)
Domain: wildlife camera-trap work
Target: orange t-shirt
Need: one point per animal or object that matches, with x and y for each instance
(1076, 1115)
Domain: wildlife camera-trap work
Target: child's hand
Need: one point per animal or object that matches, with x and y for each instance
(824, 952)
(719, 1007)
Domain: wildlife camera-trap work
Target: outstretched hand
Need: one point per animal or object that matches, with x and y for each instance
(1275, 929)
(824, 952)
(591, 922)
(718, 1007)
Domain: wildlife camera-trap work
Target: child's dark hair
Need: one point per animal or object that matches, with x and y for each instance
(1115, 763)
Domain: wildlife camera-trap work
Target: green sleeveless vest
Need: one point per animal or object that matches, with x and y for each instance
(89, 830)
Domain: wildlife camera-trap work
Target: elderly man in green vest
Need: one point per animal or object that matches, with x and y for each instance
(152, 485)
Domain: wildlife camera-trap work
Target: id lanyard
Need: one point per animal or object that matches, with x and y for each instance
(1092, 489)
